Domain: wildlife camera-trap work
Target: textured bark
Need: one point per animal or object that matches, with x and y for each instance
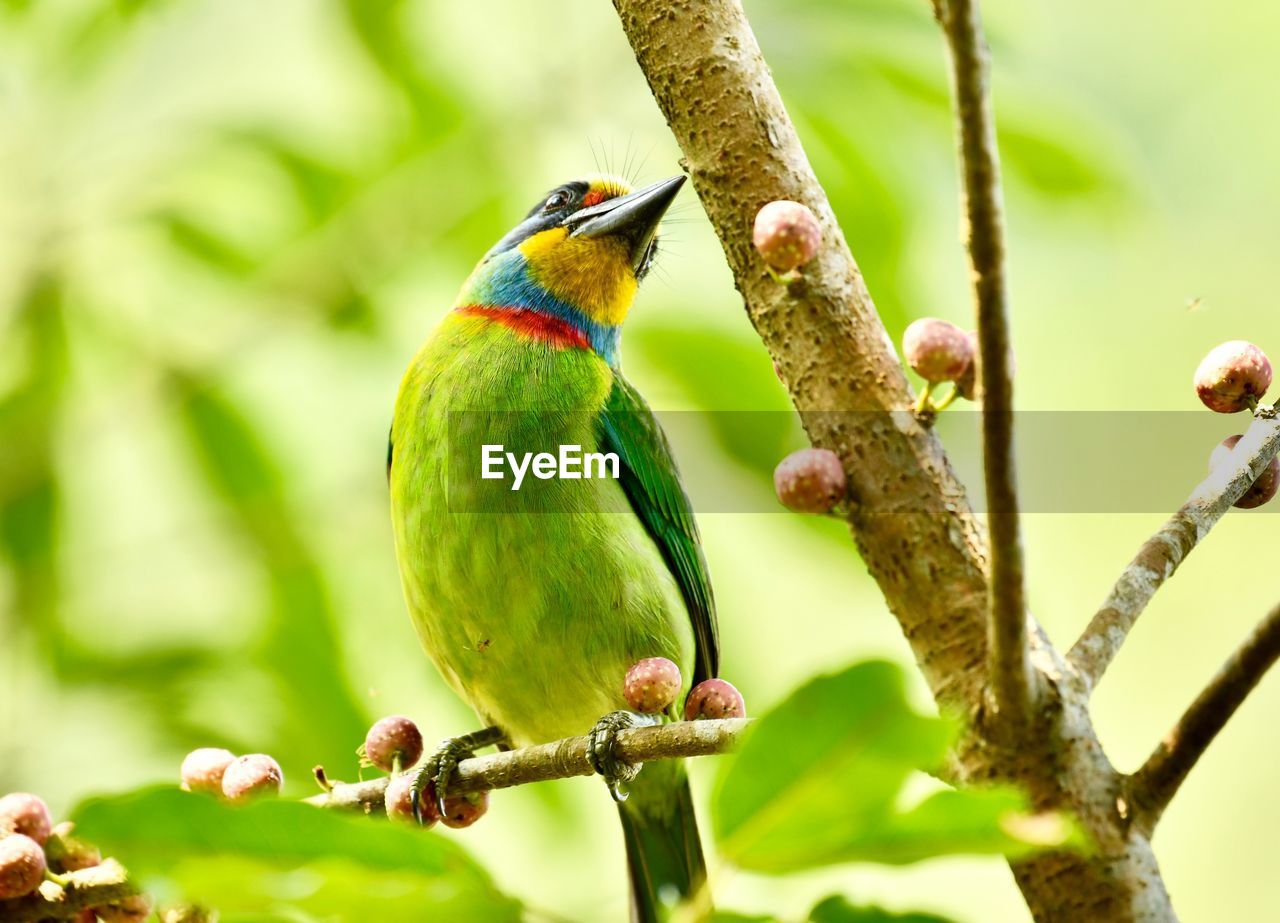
(909, 515)
(93, 887)
(1161, 554)
(1010, 677)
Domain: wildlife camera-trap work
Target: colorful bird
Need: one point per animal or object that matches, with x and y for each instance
(534, 602)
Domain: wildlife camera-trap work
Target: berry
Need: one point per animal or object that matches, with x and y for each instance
(250, 776)
(1232, 376)
(652, 685)
(399, 801)
(133, 909)
(787, 234)
(68, 854)
(967, 383)
(1263, 489)
(714, 698)
(464, 810)
(22, 866)
(21, 812)
(810, 481)
(88, 915)
(392, 738)
(937, 350)
(203, 768)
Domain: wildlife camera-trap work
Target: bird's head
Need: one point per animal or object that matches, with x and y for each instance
(578, 255)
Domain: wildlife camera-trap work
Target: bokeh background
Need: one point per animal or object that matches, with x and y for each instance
(226, 225)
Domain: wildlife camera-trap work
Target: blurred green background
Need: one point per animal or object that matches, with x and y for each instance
(225, 226)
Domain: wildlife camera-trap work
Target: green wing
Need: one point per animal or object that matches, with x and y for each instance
(648, 474)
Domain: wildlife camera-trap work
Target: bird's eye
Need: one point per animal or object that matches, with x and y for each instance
(557, 199)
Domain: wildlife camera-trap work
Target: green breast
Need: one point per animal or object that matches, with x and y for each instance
(531, 602)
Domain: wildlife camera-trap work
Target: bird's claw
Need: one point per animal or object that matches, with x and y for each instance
(438, 768)
(601, 749)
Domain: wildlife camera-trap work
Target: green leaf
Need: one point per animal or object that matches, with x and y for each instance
(819, 779)
(258, 857)
(837, 909)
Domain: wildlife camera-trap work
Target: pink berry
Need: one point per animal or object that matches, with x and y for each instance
(464, 810)
(1232, 376)
(391, 740)
(787, 234)
(134, 909)
(399, 801)
(22, 812)
(810, 481)
(251, 776)
(714, 698)
(22, 866)
(937, 350)
(1263, 489)
(203, 768)
(652, 684)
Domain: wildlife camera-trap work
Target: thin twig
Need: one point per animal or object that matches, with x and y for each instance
(1154, 785)
(1161, 554)
(1009, 670)
(561, 759)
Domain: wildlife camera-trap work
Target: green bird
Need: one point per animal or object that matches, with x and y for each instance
(534, 599)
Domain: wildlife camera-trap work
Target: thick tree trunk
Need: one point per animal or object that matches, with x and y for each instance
(909, 515)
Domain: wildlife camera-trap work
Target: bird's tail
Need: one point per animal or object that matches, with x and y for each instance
(664, 852)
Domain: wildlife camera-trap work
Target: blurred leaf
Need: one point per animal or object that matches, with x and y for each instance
(301, 646)
(243, 857)
(211, 247)
(728, 916)
(1052, 164)
(321, 186)
(817, 782)
(837, 909)
(723, 372)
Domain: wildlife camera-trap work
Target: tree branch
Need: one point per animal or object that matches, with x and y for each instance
(92, 887)
(1153, 786)
(1161, 554)
(561, 759)
(1010, 675)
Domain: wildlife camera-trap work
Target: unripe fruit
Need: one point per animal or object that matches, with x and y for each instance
(464, 810)
(1263, 489)
(392, 737)
(251, 776)
(399, 801)
(22, 866)
(810, 481)
(787, 234)
(714, 698)
(66, 853)
(937, 350)
(22, 812)
(134, 909)
(202, 769)
(1232, 376)
(652, 684)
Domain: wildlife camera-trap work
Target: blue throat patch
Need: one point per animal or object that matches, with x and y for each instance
(507, 283)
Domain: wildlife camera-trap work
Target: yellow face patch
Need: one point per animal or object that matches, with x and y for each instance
(593, 275)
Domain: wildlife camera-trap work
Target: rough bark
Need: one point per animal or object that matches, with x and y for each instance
(1011, 680)
(909, 515)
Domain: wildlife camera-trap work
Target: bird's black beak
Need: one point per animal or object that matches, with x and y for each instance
(633, 218)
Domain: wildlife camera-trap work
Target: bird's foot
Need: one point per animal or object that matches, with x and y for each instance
(438, 768)
(601, 746)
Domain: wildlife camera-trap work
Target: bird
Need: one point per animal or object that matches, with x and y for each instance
(533, 602)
